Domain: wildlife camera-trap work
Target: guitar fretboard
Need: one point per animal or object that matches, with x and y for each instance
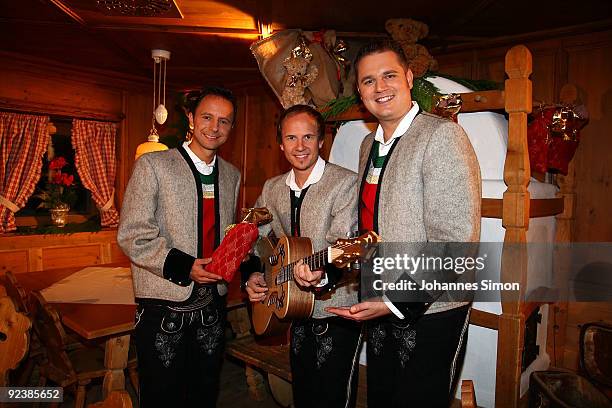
(315, 261)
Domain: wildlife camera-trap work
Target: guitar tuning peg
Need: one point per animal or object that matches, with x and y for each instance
(273, 259)
(356, 265)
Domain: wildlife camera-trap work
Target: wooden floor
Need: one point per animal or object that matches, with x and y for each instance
(233, 392)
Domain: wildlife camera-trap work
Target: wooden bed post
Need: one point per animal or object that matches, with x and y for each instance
(515, 219)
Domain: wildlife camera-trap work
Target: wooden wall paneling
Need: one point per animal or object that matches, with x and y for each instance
(234, 149)
(459, 64)
(589, 68)
(105, 253)
(11, 241)
(544, 77)
(77, 255)
(41, 92)
(491, 68)
(589, 62)
(15, 261)
(264, 158)
(28, 253)
(137, 125)
(121, 154)
(116, 254)
(35, 259)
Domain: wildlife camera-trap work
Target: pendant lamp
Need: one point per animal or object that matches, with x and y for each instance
(160, 113)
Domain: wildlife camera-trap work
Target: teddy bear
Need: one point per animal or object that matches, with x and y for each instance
(300, 74)
(407, 32)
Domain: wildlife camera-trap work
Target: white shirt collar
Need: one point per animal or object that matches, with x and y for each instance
(201, 165)
(314, 177)
(401, 128)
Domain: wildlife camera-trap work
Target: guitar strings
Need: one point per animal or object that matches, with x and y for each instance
(287, 272)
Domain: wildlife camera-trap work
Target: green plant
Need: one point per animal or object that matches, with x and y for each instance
(59, 189)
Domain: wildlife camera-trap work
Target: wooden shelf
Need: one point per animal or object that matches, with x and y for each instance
(538, 207)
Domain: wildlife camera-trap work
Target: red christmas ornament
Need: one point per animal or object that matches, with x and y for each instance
(553, 137)
(538, 140)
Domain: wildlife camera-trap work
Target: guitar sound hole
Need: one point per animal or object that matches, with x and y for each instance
(3, 336)
(276, 300)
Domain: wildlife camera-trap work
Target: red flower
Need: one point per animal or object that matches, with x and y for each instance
(58, 178)
(57, 163)
(67, 179)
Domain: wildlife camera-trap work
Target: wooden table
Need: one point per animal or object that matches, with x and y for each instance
(113, 323)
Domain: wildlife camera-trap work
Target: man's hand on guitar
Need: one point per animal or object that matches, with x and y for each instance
(305, 277)
(200, 275)
(361, 311)
(256, 287)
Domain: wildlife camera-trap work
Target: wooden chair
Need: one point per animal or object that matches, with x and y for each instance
(14, 337)
(116, 399)
(23, 305)
(66, 368)
(16, 293)
(132, 367)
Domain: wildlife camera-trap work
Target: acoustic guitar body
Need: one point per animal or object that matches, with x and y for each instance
(284, 301)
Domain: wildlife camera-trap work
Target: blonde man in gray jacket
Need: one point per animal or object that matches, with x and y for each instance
(315, 200)
(176, 208)
(420, 182)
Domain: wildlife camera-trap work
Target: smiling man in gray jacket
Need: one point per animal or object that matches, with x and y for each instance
(420, 182)
(317, 200)
(176, 208)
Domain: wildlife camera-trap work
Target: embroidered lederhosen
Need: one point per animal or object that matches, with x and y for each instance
(397, 349)
(321, 349)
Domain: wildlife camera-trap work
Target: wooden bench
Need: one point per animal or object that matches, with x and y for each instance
(273, 360)
(270, 359)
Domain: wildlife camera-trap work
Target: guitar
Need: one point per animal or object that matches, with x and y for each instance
(285, 300)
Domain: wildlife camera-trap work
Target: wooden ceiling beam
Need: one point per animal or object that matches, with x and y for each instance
(179, 29)
(535, 35)
(68, 11)
(209, 69)
(469, 14)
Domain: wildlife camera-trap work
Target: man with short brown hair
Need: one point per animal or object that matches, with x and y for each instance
(317, 200)
(176, 207)
(420, 182)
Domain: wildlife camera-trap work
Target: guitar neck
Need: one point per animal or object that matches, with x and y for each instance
(315, 261)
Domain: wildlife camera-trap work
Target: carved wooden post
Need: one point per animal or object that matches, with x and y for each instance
(518, 100)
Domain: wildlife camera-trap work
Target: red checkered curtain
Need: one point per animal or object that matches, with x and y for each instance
(23, 142)
(94, 157)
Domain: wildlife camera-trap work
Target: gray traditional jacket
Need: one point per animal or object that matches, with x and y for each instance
(161, 221)
(430, 190)
(328, 212)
